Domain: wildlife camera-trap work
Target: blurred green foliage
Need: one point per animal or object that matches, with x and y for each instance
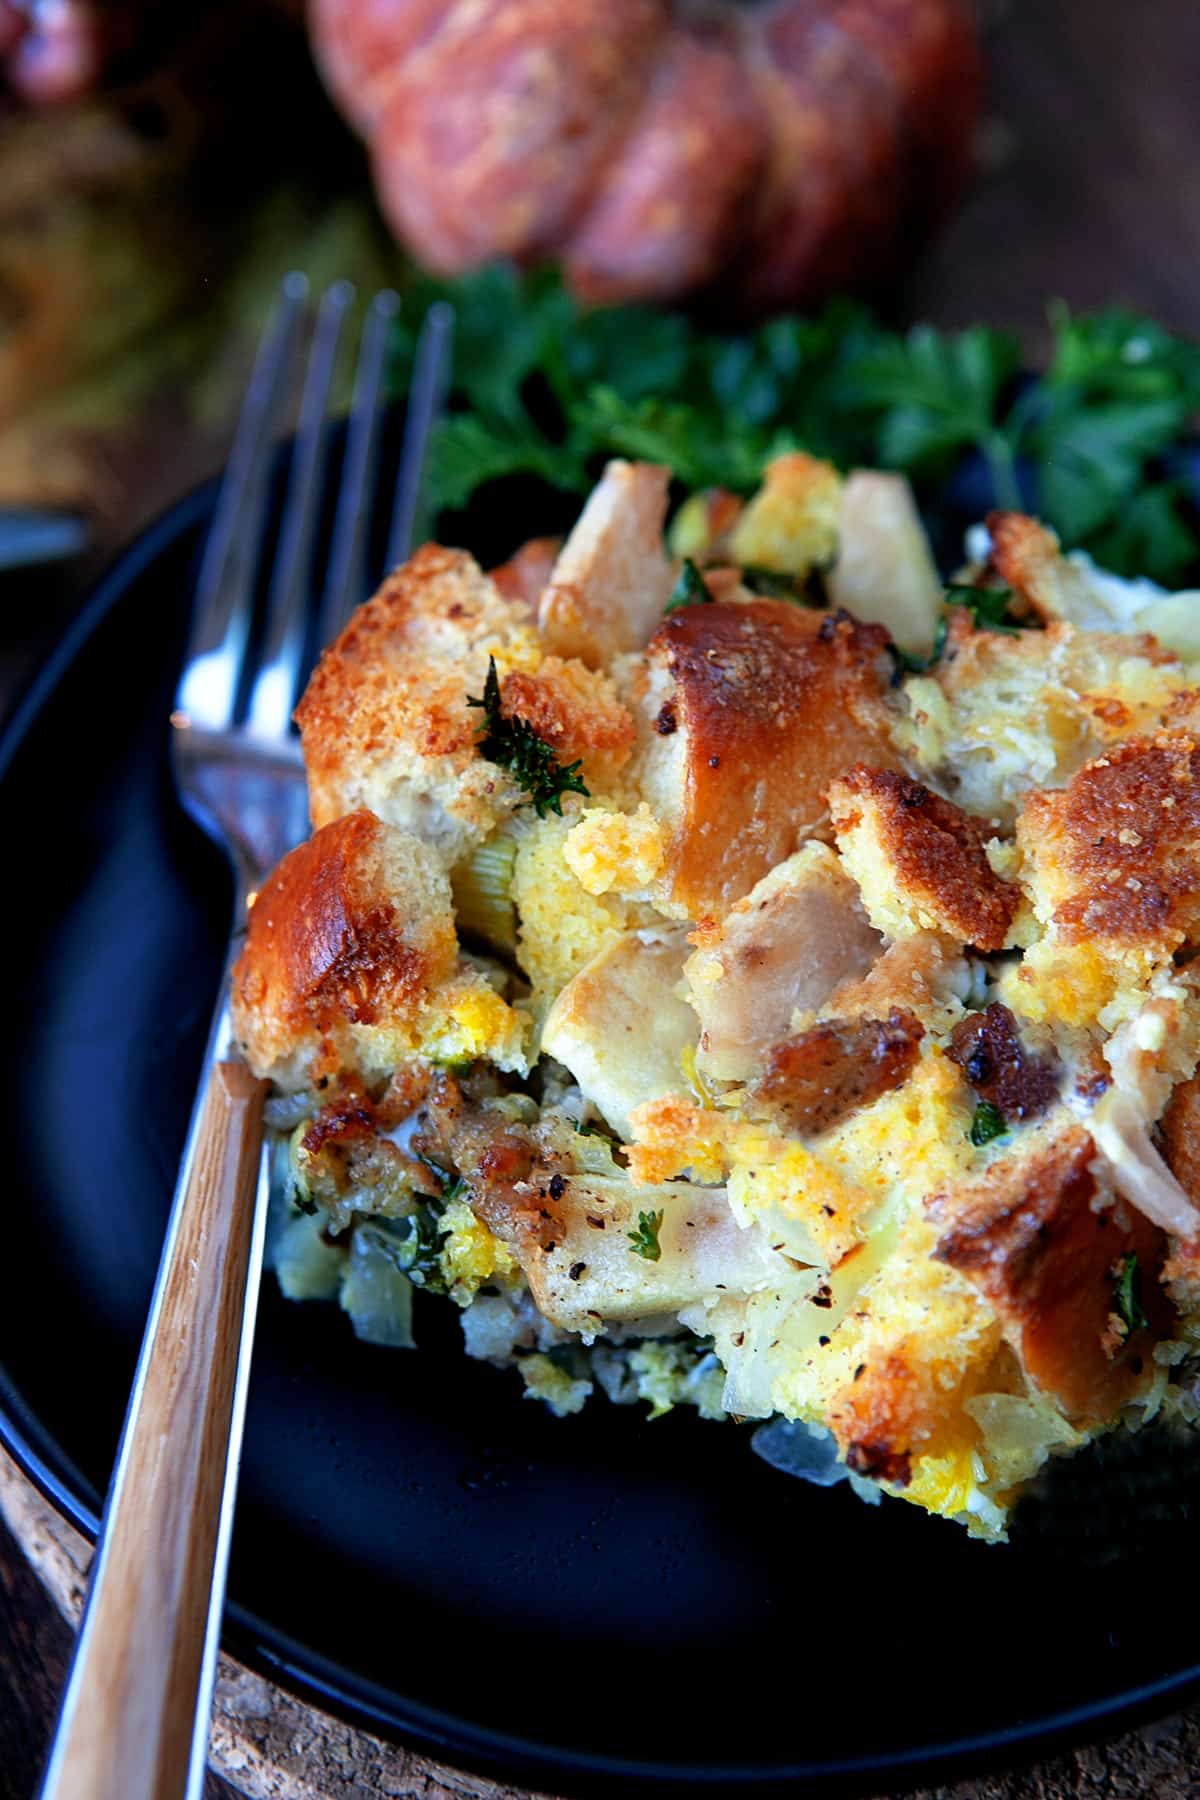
(545, 387)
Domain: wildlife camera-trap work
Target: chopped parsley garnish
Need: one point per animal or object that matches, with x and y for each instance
(988, 1124)
(1128, 1294)
(645, 1238)
(514, 744)
(909, 663)
(988, 606)
(691, 589)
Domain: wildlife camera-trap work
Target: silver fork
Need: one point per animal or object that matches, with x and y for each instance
(134, 1717)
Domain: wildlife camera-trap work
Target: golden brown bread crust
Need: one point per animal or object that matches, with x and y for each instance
(385, 721)
(1023, 552)
(1117, 852)
(819, 1077)
(576, 711)
(774, 701)
(934, 852)
(333, 944)
(390, 695)
(1030, 1237)
(1179, 1129)
(879, 1416)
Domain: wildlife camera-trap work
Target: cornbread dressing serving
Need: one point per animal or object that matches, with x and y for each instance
(738, 971)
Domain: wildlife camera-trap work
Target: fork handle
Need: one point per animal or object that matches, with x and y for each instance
(129, 1714)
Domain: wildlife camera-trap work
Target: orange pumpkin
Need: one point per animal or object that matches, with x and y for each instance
(769, 153)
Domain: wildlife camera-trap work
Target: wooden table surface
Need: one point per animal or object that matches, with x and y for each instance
(1089, 192)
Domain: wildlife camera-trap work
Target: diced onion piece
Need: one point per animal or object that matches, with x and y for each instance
(1138, 1172)
(375, 1292)
(798, 1449)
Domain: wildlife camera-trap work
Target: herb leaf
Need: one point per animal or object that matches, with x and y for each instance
(987, 606)
(909, 663)
(514, 744)
(645, 1238)
(549, 388)
(690, 589)
(1128, 1294)
(988, 1124)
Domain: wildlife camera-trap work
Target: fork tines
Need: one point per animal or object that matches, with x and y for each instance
(250, 652)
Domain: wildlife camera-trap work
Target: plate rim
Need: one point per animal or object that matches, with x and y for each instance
(357, 1700)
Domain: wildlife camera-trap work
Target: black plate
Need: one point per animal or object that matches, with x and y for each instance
(561, 1601)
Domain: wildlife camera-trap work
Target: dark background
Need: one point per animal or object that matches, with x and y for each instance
(1088, 191)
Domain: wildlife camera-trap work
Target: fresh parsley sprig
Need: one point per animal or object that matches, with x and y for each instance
(908, 662)
(988, 606)
(546, 387)
(690, 588)
(645, 1238)
(514, 744)
(987, 1124)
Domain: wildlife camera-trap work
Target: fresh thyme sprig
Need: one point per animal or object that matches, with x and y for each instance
(514, 744)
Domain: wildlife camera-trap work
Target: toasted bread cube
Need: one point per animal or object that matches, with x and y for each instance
(1003, 713)
(351, 964)
(919, 860)
(1043, 1241)
(1027, 555)
(575, 710)
(791, 524)
(620, 1026)
(904, 1340)
(701, 527)
(385, 724)
(746, 711)
(1112, 861)
(783, 948)
(1180, 1131)
(613, 578)
(885, 570)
